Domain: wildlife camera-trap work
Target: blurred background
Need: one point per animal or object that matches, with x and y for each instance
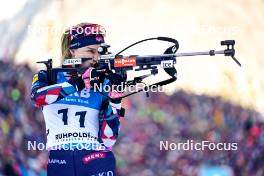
(213, 99)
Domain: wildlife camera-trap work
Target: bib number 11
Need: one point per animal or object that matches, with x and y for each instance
(81, 115)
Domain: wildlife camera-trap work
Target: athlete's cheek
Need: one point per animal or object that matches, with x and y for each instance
(87, 54)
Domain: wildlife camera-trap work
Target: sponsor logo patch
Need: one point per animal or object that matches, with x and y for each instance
(72, 61)
(125, 62)
(93, 156)
(167, 64)
(99, 38)
(56, 161)
(108, 173)
(35, 79)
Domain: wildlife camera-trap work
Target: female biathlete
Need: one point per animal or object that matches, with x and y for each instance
(81, 124)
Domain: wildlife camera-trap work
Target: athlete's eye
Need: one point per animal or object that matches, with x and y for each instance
(93, 51)
(90, 51)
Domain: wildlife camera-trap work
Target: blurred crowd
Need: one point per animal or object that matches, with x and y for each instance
(20, 122)
(184, 116)
(175, 118)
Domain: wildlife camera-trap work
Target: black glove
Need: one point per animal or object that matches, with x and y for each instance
(115, 79)
(117, 83)
(96, 78)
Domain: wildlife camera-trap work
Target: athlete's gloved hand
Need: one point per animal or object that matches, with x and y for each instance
(117, 83)
(115, 79)
(91, 77)
(115, 97)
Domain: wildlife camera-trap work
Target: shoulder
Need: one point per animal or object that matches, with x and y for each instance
(40, 77)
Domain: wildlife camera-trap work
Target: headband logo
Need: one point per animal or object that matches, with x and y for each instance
(99, 38)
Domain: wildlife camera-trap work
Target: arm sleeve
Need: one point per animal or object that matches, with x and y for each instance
(43, 94)
(109, 122)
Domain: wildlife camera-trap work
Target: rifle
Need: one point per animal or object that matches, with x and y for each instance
(120, 64)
